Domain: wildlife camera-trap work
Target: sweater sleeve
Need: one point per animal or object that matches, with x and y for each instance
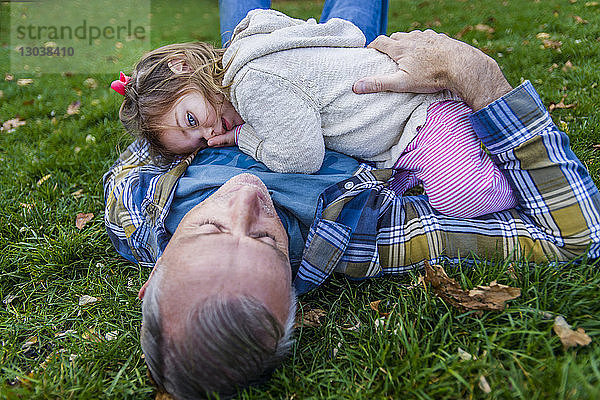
(283, 125)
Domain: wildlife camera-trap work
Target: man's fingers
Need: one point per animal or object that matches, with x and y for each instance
(372, 84)
(384, 44)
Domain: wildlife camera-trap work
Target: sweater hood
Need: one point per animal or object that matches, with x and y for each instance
(263, 32)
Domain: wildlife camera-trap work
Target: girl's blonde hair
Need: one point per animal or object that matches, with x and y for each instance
(154, 88)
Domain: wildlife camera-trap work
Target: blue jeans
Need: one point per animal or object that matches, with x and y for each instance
(369, 15)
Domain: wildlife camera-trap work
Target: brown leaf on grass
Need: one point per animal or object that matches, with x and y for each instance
(12, 124)
(82, 219)
(543, 35)
(568, 66)
(73, 108)
(8, 77)
(561, 104)
(463, 31)
(77, 194)
(28, 102)
(465, 356)
(375, 305)
(552, 44)
(580, 20)
(163, 396)
(24, 81)
(90, 83)
(484, 28)
(43, 179)
(491, 297)
(568, 336)
(86, 299)
(309, 318)
(552, 67)
(484, 385)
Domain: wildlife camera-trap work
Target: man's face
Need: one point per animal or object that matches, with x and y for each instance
(231, 243)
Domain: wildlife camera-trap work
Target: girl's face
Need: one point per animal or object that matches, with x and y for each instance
(193, 120)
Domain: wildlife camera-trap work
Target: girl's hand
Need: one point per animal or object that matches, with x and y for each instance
(226, 139)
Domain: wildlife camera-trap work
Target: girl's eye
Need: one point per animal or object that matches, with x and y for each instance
(191, 120)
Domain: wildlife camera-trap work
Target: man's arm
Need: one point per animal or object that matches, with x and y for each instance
(429, 62)
(362, 229)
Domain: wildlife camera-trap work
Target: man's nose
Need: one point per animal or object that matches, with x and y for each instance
(246, 208)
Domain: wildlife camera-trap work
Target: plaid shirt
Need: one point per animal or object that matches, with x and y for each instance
(362, 229)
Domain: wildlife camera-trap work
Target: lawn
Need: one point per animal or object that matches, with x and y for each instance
(52, 166)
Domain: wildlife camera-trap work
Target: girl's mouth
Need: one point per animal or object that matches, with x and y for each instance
(225, 124)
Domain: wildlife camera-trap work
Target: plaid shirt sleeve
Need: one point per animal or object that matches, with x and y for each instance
(138, 194)
(363, 230)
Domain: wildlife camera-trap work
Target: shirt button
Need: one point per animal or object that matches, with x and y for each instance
(349, 185)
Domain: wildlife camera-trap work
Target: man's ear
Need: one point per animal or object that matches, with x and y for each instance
(142, 291)
(179, 66)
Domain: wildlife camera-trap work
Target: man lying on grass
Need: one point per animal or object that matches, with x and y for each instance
(219, 305)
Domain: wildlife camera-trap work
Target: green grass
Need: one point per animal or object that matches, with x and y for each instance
(46, 264)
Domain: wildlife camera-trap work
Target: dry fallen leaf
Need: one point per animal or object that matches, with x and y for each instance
(465, 356)
(12, 124)
(542, 35)
(43, 179)
(484, 385)
(579, 20)
(82, 219)
(85, 299)
(484, 28)
(552, 67)
(24, 81)
(568, 336)
(29, 342)
(464, 31)
(77, 194)
(90, 83)
(568, 66)
(375, 305)
(73, 108)
(491, 297)
(8, 77)
(27, 206)
(561, 104)
(309, 318)
(163, 396)
(552, 44)
(8, 299)
(379, 323)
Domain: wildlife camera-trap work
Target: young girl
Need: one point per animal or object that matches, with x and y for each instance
(282, 91)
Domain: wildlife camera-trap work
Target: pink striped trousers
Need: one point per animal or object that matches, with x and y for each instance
(459, 178)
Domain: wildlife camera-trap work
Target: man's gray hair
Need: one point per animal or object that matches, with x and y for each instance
(229, 343)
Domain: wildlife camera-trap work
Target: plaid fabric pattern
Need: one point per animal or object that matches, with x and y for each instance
(363, 230)
(138, 194)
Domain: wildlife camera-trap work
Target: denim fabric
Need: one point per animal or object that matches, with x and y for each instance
(370, 16)
(294, 195)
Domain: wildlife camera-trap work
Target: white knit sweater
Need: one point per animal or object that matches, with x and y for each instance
(291, 81)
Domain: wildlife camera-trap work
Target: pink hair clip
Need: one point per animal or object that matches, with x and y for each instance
(119, 85)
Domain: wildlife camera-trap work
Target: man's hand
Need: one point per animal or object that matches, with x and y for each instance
(429, 62)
